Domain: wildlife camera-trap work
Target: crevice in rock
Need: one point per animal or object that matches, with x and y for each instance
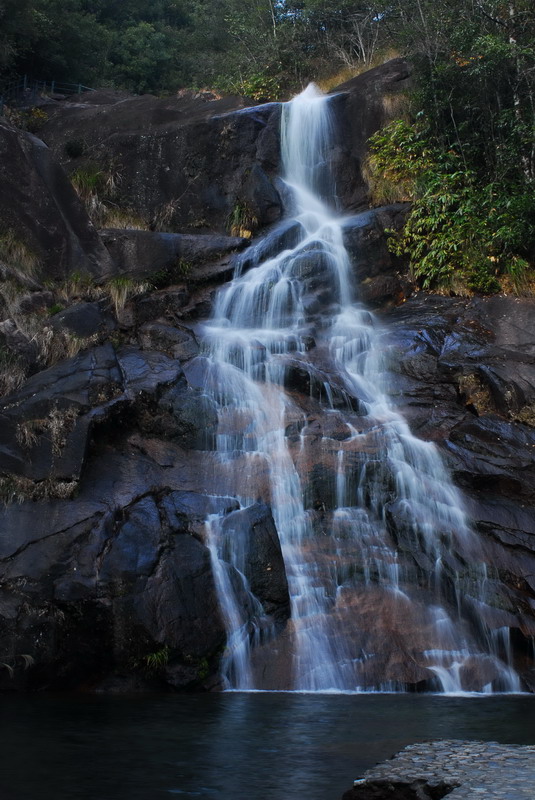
(399, 790)
(97, 515)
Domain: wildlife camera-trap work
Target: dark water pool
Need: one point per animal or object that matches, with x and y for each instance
(228, 746)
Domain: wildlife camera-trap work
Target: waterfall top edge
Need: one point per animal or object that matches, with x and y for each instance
(311, 92)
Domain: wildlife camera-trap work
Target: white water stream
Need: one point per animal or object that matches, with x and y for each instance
(362, 616)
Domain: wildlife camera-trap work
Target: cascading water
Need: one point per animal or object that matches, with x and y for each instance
(368, 520)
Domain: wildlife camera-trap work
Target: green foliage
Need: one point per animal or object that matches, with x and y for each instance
(461, 231)
(139, 55)
(78, 284)
(466, 159)
(97, 187)
(32, 120)
(203, 669)
(242, 221)
(88, 179)
(261, 87)
(155, 662)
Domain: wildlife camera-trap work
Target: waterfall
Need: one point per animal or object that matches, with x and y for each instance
(377, 549)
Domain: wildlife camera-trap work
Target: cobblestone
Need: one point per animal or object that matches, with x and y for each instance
(458, 770)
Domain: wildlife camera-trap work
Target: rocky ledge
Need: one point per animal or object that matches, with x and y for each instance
(457, 769)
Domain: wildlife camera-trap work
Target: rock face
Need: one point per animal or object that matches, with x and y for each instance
(463, 374)
(113, 588)
(108, 469)
(363, 104)
(194, 163)
(40, 207)
(204, 164)
(165, 256)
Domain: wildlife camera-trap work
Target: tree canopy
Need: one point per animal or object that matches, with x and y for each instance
(470, 124)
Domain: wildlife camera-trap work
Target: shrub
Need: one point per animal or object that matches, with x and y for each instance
(461, 232)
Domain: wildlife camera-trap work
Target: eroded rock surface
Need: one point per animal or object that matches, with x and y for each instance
(454, 769)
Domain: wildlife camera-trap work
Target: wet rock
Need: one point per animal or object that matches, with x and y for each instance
(193, 417)
(462, 372)
(284, 236)
(101, 590)
(366, 241)
(383, 290)
(263, 564)
(500, 451)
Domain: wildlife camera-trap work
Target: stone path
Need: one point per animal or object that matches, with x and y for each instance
(454, 769)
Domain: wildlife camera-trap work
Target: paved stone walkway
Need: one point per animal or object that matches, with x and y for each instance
(454, 769)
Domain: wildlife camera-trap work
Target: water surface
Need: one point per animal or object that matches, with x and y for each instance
(235, 746)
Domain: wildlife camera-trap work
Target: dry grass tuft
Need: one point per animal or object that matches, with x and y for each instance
(122, 288)
(17, 256)
(16, 489)
(115, 217)
(345, 73)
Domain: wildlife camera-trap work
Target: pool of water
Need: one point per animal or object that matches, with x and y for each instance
(235, 746)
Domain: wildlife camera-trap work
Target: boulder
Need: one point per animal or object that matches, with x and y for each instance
(164, 256)
(41, 209)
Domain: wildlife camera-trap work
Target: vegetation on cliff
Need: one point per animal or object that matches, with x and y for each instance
(463, 151)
